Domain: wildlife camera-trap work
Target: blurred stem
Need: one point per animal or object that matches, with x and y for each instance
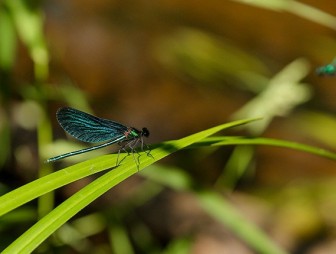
(236, 167)
(29, 21)
(44, 134)
(223, 211)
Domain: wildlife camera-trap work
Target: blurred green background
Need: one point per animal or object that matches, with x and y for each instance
(176, 67)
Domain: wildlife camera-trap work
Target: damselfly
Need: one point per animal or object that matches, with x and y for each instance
(89, 128)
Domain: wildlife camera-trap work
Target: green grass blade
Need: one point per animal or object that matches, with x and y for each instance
(32, 238)
(45, 184)
(227, 140)
(70, 174)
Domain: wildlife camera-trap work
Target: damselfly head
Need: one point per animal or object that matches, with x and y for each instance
(145, 132)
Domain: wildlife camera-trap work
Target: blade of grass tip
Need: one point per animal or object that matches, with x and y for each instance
(166, 148)
(203, 134)
(34, 236)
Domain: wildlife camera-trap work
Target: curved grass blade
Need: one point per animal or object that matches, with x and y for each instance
(231, 140)
(33, 237)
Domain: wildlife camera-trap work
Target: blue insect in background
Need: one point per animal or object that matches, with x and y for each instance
(327, 70)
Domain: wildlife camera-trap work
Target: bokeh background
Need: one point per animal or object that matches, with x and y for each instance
(176, 67)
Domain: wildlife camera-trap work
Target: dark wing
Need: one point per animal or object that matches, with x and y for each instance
(88, 128)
